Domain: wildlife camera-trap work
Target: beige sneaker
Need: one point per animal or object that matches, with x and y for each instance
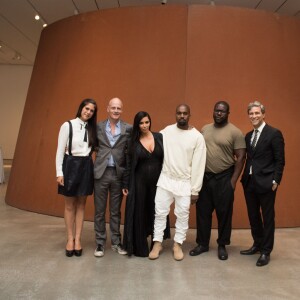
(177, 251)
(157, 247)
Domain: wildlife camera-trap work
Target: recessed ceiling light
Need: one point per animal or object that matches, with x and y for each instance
(37, 17)
(44, 25)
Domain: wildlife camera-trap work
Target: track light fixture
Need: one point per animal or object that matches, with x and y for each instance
(37, 14)
(17, 56)
(9, 53)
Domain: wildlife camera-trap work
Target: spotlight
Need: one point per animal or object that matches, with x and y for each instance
(37, 17)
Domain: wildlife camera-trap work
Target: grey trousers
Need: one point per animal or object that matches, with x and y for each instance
(108, 184)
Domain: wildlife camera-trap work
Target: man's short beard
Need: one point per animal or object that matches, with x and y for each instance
(182, 122)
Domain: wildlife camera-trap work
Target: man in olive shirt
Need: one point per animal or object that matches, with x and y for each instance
(225, 145)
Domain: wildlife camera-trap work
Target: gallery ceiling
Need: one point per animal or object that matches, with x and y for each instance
(20, 32)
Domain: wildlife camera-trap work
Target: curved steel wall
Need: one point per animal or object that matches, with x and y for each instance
(154, 58)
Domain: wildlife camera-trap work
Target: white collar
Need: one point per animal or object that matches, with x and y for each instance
(81, 122)
(261, 127)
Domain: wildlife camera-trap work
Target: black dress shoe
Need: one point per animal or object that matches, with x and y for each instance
(198, 250)
(263, 260)
(69, 253)
(78, 252)
(251, 251)
(222, 252)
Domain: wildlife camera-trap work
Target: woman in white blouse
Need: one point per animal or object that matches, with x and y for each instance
(74, 170)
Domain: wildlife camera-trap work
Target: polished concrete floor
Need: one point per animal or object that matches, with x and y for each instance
(33, 266)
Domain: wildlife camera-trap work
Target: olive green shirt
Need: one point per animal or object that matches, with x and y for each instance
(220, 144)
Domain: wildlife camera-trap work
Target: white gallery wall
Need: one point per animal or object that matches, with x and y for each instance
(14, 83)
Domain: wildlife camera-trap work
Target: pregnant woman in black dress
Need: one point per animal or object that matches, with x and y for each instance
(144, 163)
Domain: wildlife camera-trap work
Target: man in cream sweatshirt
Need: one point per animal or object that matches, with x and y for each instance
(180, 180)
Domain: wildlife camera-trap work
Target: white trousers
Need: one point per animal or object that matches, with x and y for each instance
(163, 201)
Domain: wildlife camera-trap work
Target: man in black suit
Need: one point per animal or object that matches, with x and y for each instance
(262, 175)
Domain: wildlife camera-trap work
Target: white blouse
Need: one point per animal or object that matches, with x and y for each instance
(79, 147)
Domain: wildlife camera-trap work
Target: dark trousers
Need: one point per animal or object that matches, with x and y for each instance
(216, 194)
(110, 184)
(261, 215)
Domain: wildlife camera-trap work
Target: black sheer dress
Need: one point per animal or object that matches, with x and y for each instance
(146, 176)
(140, 178)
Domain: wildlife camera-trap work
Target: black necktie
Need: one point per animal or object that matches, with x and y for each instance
(85, 134)
(253, 144)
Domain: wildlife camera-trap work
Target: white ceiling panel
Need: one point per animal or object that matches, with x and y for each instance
(270, 5)
(15, 42)
(21, 17)
(85, 5)
(290, 7)
(244, 3)
(104, 4)
(53, 10)
(207, 2)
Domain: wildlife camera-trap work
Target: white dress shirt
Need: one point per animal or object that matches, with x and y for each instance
(79, 146)
(259, 130)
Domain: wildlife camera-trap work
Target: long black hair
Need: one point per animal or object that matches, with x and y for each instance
(92, 122)
(135, 136)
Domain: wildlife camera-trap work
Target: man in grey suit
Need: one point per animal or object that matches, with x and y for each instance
(109, 166)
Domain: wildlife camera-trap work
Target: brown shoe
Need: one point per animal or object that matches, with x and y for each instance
(177, 251)
(154, 254)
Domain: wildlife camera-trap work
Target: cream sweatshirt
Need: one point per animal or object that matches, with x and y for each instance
(184, 156)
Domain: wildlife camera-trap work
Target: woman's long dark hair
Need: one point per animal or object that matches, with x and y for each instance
(92, 122)
(135, 136)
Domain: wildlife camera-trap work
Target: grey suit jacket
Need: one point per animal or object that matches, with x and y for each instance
(105, 150)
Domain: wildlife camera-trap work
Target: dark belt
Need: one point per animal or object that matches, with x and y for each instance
(209, 175)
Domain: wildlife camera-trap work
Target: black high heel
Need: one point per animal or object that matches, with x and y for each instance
(69, 253)
(78, 252)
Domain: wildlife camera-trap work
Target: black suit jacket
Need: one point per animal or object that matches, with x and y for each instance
(267, 159)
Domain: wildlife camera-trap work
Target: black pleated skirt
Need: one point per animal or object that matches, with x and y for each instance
(78, 176)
